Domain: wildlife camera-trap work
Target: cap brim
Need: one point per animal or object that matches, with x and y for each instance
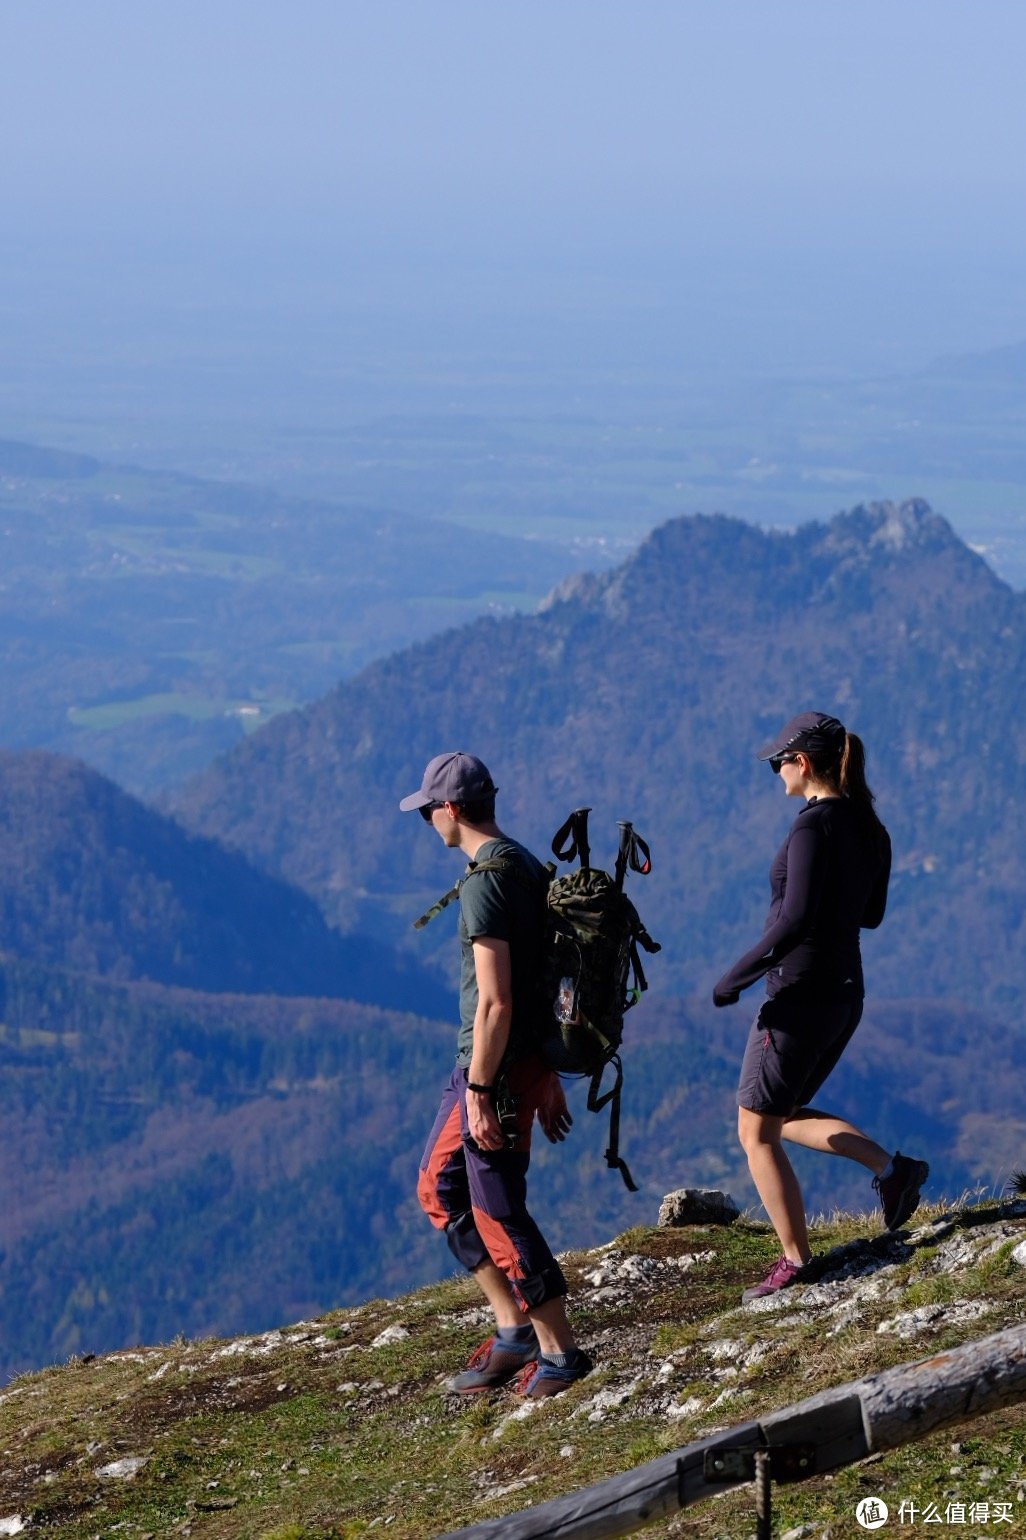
(415, 800)
(770, 750)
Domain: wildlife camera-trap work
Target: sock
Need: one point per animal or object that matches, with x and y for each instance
(561, 1360)
(520, 1336)
(888, 1172)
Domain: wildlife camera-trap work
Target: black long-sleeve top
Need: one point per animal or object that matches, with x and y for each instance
(828, 879)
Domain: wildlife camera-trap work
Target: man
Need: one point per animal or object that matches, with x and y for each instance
(473, 1177)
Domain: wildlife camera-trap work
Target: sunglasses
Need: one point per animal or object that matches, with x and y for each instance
(428, 809)
(782, 759)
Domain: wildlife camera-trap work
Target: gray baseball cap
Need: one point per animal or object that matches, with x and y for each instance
(453, 777)
(810, 732)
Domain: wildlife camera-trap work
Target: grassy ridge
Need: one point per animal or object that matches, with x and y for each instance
(342, 1426)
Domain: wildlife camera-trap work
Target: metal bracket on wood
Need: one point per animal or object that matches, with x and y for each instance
(787, 1462)
(775, 1462)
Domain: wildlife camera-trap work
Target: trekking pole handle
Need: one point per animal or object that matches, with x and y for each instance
(572, 838)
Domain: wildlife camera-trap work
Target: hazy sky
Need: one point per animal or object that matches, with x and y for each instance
(207, 102)
(794, 180)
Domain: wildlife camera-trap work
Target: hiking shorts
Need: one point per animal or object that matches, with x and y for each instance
(479, 1197)
(794, 1043)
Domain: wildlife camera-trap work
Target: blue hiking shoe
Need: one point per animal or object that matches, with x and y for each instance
(545, 1378)
(495, 1362)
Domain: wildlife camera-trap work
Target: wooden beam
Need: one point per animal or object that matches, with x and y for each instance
(896, 1406)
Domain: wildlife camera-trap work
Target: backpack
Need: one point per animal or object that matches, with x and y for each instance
(591, 968)
(590, 972)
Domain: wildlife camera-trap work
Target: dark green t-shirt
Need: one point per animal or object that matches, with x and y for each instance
(508, 906)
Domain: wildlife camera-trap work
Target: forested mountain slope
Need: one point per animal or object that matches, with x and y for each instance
(644, 692)
(94, 881)
(205, 1164)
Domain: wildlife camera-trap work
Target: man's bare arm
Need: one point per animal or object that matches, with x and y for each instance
(491, 1034)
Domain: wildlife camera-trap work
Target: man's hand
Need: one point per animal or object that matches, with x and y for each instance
(723, 996)
(483, 1121)
(553, 1112)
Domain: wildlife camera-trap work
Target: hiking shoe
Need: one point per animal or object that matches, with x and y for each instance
(899, 1192)
(781, 1275)
(544, 1378)
(494, 1363)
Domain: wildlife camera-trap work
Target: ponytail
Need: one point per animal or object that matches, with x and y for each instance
(853, 785)
(847, 772)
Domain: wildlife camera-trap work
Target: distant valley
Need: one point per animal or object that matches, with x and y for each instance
(148, 621)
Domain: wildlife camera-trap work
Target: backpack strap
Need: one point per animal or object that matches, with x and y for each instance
(493, 864)
(437, 907)
(614, 1160)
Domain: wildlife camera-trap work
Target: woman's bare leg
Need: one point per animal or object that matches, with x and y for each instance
(834, 1136)
(775, 1181)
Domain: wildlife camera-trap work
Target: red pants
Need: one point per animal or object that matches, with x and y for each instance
(479, 1197)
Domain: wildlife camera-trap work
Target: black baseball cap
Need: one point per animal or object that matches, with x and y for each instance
(810, 732)
(453, 777)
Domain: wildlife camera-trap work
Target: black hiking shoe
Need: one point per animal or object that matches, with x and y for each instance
(544, 1378)
(899, 1192)
(494, 1363)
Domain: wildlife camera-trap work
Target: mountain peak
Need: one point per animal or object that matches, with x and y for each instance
(889, 526)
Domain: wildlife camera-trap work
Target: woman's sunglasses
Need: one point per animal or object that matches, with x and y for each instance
(775, 764)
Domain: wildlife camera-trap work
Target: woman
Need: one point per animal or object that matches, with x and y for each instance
(828, 879)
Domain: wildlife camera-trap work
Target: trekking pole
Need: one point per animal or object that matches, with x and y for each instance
(626, 840)
(582, 835)
(633, 852)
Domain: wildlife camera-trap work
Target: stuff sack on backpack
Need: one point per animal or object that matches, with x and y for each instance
(592, 974)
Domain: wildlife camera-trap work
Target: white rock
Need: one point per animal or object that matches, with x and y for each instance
(519, 1414)
(1019, 1254)
(727, 1394)
(604, 1401)
(912, 1322)
(390, 1334)
(607, 1295)
(725, 1347)
(512, 1486)
(697, 1206)
(13, 1524)
(123, 1469)
(624, 1270)
(255, 1345)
